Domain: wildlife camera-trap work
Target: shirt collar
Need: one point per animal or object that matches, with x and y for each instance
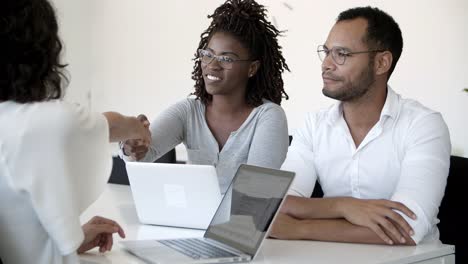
(391, 105)
(390, 108)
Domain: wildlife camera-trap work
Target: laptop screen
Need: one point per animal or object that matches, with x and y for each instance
(248, 207)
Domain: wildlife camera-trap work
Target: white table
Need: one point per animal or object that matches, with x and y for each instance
(117, 203)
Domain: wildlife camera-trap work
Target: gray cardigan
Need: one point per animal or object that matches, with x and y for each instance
(261, 140)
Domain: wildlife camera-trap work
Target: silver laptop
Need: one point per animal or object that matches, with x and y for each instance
(177, 195)
(238, 228)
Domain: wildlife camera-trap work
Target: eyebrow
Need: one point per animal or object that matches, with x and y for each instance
(344, 48)
(224, 52)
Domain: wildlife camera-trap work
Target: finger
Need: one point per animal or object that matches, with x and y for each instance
(148, 139)
(401, 222)
(131, 142)
(105, 242)
(392, 231)
(380, 233)
(102, 243)
(119, 229)
(127, 150)
(103, 220)
(402, 208)
(139, 149)
(110, 242)
(142, 118)
(140, 156)
(408, 239)
(103, 228)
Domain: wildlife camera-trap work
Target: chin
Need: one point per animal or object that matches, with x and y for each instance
(331, 93)
(211, 90)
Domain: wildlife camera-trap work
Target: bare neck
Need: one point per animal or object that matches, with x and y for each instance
(362, 114)
(228, 105)
(365, 111)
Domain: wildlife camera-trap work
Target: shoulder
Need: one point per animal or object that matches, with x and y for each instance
(269, 108)
(51, 116)
(186, 106)
(179, 113)
(57, 119)
(413, 113)
(321, 118)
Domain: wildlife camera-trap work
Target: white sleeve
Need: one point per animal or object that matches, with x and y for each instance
(300, 159)
(63, 164)
(424, 172)
(270, 141)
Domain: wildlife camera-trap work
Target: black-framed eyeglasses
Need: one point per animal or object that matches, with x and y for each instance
(339, 54)
(224, 61)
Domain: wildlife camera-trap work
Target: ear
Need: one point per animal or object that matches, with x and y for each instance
(254, 66)
(383, 62)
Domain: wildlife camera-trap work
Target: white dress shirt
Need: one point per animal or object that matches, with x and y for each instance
(405, 157)
(55, 160)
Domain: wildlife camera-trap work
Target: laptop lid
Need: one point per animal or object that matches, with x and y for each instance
(179, 195)
(248, 208)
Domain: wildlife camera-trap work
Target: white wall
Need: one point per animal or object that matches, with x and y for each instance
(134, 56)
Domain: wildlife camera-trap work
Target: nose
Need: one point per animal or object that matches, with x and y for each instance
(214, 64)
(328, 63)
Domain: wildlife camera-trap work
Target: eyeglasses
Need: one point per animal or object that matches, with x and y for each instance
(339, 54)
(224, 61)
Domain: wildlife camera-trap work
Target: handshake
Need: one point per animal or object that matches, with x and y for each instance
(137, 146)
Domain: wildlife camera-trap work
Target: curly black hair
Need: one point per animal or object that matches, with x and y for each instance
(382, 30)
(30, 68)
(247, 21)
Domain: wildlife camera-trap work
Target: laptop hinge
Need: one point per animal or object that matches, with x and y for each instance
(228, 248)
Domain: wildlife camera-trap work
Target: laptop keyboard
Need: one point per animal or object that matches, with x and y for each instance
(196, 248)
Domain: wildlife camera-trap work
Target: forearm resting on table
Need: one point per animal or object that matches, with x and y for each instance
(311, 208)
(331, 230)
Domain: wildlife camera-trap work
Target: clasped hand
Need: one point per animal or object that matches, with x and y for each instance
(98, 233)
(380, 217)
(137, 148)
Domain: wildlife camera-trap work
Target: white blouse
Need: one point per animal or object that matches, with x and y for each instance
(55, 159)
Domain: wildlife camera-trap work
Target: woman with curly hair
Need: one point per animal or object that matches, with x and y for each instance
(55, 157)
(235, 117)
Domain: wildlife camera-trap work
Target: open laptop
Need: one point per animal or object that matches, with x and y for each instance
(238, 228)
(179, 195)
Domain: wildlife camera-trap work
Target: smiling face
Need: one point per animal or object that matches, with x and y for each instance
(355, 77)
(221, 81)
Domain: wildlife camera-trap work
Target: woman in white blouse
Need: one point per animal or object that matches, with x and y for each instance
(54, 157)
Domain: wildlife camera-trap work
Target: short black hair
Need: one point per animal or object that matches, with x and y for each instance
(382, 30)
(247, 21)
(30, 70)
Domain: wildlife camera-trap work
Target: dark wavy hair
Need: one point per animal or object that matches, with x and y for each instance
(246, 20)
(382, 30)
(30, 68)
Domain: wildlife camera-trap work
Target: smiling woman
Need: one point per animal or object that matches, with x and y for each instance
(235, 117)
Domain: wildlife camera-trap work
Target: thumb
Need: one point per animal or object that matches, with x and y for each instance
(142, 118)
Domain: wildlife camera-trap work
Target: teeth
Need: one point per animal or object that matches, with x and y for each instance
(213, 78)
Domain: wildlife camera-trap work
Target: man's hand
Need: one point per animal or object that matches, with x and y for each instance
(137, 148)
(380, 217)
(285, 227)
(98, 233)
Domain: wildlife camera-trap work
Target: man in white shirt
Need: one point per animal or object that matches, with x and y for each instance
(381, 160)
